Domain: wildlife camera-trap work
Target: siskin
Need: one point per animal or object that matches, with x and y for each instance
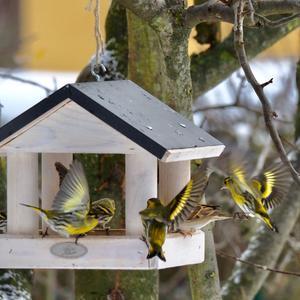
(70, 213)
(256, 195)
(157, 217)
(3, 222)
(104, 209)
(202, 215)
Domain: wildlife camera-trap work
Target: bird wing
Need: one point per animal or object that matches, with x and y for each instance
(73, 195)
(272, 185)
(61, 170)
(182, 205)
(239, 173)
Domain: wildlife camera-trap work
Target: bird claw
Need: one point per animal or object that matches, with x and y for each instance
(185, 233)
(143, 239)
(77, 237)
(45, 233)
(240, 216)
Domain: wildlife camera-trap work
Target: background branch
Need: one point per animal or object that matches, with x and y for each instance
(26, 81)
(258, 88)
(211, 67)
(255, 265)
(216, 12)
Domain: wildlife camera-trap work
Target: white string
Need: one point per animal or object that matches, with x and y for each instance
(99, 42)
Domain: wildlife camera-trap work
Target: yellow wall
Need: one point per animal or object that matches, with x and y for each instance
(59, 35)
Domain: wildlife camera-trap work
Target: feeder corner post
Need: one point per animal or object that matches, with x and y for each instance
(141, 184)
(22, 187)
(173, 176)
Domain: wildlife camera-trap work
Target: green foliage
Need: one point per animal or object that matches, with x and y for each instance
(105, 174)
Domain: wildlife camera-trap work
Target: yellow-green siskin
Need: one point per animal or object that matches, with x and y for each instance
(157, 217)
(104, 209)
(3, 222)
(256, 195)
(155, 233)
(70, 213)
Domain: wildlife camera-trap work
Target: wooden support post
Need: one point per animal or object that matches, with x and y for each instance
(173, 176)
(22, 187)
(141, 184)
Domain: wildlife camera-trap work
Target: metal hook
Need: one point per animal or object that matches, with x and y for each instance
(101, 68)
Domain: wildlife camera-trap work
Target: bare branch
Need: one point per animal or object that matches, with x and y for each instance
(263, 21)
(258, 88)
(34, 83)
(262, 267)
(216, 12)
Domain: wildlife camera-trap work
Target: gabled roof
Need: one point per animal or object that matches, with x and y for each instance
(125, 108)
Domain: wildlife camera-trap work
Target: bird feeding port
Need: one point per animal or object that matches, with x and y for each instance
(99, 117)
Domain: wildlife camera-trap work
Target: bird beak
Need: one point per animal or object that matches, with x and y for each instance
(223, 188)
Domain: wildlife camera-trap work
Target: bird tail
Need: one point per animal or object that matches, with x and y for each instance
(269, 223)
(37, 209)
(156, 251)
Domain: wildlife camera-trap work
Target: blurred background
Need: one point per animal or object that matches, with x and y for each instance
(49, 42)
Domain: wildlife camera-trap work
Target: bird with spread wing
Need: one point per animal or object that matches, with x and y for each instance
(70, 214)
(104, 208)
(156, 217)
(258, 194)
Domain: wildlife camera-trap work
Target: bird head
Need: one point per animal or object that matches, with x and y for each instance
(228, 182)
(153, 202)
(104, 208)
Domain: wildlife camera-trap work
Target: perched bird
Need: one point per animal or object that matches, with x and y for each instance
(3, 222)
(156, 233)
(157, 217)
(70, 213)
(256, 195)
(104, 209)
(202, 215)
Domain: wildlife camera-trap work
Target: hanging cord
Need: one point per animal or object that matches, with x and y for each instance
(96, 65)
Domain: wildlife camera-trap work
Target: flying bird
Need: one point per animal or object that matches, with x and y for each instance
(104, 209)
(70, 214)
(258, 194)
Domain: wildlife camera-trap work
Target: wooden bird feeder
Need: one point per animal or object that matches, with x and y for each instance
(99, 117)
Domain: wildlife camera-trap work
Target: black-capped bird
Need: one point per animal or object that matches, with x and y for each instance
(70, 214)
(156, 218)
(256, 195)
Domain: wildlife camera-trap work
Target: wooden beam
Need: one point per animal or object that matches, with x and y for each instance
(105, 252)
(69, 129)
(22, 187)
(173, 176)
(141, 184)
(173, 155)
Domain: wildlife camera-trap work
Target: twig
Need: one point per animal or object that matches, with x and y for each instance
(258, 266)
(263, 21)
(267, 110)
(237, 105)
(262, 157)
(27, 81)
